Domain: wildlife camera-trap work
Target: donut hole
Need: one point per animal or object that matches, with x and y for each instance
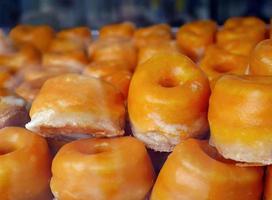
(169, 79)
(214, 154)
(96, 149)
(223, 68)
(7, 149)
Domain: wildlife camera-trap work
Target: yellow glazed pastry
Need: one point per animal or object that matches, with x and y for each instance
(168, 101)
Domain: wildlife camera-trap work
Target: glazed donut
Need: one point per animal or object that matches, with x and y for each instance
(74, 106)
(25, 165)
(260, 61)
(156, 95)
(102, 169)
(152, 49)
(268, 184)
(152, 34)
(240, 112)
(195, 170)
(217, 62)
(114, 72)
(193, 38)
(238, 36)
(114, 48)
(73, 61)
(24, 56)
(125, 29)
(38, 36)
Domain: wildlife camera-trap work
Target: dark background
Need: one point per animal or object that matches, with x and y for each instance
(96, 13)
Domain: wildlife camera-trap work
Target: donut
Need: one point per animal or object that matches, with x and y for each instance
(193, 38)
(240, 112)
(102, 169)
(238, 36)
(152, 34)
(218, 62)
(23, 56)
(114, 48)
(152, 49)
(260, 60)
(74, 106)
(268, 184)
(160, 88)
(25, 165)
(195, 170)
(114, 72)
(38, 36)
(73, 61)
(125, 29)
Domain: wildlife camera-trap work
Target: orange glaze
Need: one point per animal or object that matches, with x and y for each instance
(81, 35)
(105, 67)
(195, 170)
(268, 184)
(23, 56)
(261, 58)
(194, 38)
(38, 36)
(113, 72)
(102, 169)
(114, 48)
(61, 45)
(73, 105)
(120, 80)
(30, 73)
(240, 113)
(218, 62)
(168, 101)
(152, 49)
(73, 61)
(238, 36)
(30, 89)
(73, 39)
(5, 77)
(152, 34)
(125, 29)
(24, 165)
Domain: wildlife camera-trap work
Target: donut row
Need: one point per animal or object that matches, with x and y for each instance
(205, 95)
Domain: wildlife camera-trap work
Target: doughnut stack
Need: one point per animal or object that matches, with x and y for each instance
(87, 117)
